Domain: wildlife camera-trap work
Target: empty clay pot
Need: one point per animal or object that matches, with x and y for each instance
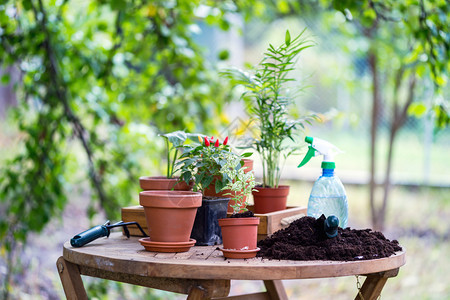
(170, 215)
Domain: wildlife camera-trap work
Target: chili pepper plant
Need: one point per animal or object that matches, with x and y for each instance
(204, 163)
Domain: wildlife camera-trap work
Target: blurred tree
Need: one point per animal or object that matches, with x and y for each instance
(104, 77)
(408, 45)
(408, 42)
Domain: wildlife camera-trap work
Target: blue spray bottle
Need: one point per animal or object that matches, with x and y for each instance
(328, 195)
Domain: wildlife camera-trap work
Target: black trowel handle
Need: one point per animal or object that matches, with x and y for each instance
(89, 235)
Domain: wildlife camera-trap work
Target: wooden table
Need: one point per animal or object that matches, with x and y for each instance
(203, 272)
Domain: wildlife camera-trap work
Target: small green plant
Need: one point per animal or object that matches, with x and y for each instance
(203, 163)
(175, 140)
(269, 98)
(241, 186)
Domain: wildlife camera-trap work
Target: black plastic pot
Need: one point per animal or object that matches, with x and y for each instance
(206, 230)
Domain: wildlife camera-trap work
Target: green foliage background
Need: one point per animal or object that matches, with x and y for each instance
(100, 79)
(103, 76)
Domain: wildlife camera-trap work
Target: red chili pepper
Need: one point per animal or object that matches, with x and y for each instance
(216, 144)
(225, 141)
(206, 142)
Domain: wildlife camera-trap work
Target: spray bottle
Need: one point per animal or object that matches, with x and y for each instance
(328, 195)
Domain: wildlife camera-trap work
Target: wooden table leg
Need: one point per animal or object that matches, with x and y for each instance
(275, 289)
(373, 285)
(197, 293)
(71, 280)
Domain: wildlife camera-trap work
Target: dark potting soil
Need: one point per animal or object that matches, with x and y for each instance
(245, 214)
(305, 239)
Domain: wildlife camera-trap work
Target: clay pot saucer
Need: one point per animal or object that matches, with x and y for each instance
(235, 253)
(166, 246)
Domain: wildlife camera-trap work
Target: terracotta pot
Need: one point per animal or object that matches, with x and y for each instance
(163, 183)
(211, 190)
(268, 200)
(248, 163)
(170, 215)
(239, 235)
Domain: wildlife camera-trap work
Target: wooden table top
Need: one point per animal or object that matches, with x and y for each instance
(122, 255)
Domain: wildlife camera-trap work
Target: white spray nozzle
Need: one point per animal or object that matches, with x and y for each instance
(320, 147)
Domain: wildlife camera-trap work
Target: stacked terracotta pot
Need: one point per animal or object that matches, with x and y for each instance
(169, 213)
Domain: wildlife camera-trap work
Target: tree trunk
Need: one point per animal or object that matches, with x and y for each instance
(398, 120)
(373, 132)
(7, 94)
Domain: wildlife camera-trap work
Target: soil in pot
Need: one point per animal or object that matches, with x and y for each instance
(305, 239)
(245, 214)
(239, 235)
(267, 200)
(206, 230)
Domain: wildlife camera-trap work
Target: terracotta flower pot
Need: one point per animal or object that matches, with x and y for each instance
(170, 215)
(211, 190)
(148, 183)
(268, 200)
(239, 237)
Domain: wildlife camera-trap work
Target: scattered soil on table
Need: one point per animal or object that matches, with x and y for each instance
(305, 239)
(245, 214)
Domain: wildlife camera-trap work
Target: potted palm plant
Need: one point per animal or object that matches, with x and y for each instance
(269, 98)
(240, 230)
(203, 164)
(174, 141)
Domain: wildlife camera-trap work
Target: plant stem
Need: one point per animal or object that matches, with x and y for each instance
(168, 175)
(173, 163)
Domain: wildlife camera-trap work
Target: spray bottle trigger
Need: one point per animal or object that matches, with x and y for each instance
(311, 153)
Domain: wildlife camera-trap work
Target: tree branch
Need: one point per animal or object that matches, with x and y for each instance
(60, 91)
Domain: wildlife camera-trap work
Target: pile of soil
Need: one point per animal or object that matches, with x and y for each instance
(305, 239)
(245, 214)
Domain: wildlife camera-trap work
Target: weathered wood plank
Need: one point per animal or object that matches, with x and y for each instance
(275, 289)
(135, 214)
(119, 254)
(212, 288)
(274, 218)
(371, 288)
(165, 256)
(184, 255)
(203, 252)
(254, 296)
(197, 293)
(216, 255)
(71, 280)
(374, 283)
